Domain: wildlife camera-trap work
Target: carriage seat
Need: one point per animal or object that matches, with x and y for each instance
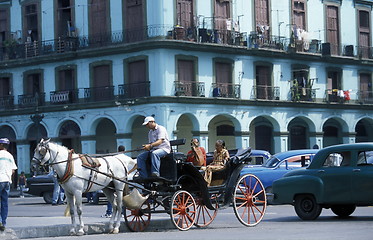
(168, 168)
(220, 177)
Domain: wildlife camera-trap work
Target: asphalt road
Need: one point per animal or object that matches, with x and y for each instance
(280, 222)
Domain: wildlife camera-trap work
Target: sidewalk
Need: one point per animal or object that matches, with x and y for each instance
(30, 217)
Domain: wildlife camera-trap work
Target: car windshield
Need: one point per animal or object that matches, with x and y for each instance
(272, 162)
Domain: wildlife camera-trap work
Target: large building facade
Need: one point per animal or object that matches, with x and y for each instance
(269, 74)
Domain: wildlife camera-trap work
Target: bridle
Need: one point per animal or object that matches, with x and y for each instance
(43, 149)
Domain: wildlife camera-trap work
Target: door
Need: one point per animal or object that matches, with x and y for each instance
(223, 76)
(263, 82)
(137, 79)
(186, 77)
(99, 28)
(332, 31)
(134, 20)
(222, 21)
(102, 89)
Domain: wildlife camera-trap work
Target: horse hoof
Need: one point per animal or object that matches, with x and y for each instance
(80, 233)
(72, 232)
(115, 231)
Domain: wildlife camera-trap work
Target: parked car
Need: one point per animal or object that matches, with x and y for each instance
(278, 165)
(258, 157)
(42, 186)
(340, 177)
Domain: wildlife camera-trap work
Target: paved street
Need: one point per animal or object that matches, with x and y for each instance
(280, 222)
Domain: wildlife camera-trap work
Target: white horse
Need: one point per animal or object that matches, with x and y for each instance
(77, 179)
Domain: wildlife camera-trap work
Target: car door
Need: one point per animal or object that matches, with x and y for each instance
(336, 174)
(362, 180)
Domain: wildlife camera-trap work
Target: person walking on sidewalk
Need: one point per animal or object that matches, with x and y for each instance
(7, 169)
(22, 183)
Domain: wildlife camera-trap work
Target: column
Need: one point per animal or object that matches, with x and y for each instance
(23, 160)
(89, 146)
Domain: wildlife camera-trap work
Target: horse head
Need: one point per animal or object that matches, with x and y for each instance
(42, 152)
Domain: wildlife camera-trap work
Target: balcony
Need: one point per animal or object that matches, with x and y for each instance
(302, 94)
(226, 90)
(7, 102)
(16, 50)
(365, 97)
(134, 90)
(64, 97)
(266, 92)
(195, 89)
(98, 94)
(337, 96)
(31, 100)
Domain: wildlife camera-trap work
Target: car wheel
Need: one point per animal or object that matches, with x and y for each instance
(306, 207)
(343, 211)
(48, 197)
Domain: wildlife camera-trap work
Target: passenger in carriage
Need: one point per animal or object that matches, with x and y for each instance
(221, 156)
(197, 154)
(157, 148)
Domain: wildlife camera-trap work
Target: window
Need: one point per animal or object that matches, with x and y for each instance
(4, 24)
(365, 93)
(134, 20)
(102, 89)
(138, 85)
(222, 21)
(332, 28)
(30, 22)
(364, 34)
(64, 21)
(338, 159)
(5, 87)
(33, 84)
(223, 80)
(186, 84)
(185, 13)
(98, 20)
(263, 82)
(299, 14)
(262, 18)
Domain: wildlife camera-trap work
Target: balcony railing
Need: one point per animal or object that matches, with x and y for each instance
(196, 89)
(365, 97)
(302, 94)
(17, 50)
(134, 90)
(6, 102)
(63, 97)
(337, 96)
(266, 92)
(97, 94)
(226, 90)
(31, 100)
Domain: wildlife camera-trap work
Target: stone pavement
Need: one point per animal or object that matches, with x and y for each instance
(30, 217)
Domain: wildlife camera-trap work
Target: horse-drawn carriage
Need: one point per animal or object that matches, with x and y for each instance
(180, 191)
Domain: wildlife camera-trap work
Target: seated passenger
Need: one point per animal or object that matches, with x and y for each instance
(221, 156)
(197, 154)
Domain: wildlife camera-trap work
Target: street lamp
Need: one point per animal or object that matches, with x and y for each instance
(37, 118)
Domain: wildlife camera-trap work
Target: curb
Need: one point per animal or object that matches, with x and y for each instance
(64, 230)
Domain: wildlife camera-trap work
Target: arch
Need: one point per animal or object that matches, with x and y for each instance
(105, 133)
(8, 132)
(187, 126)
(223, 127)
(364, 130)
(70, 133)
(332, 132)
(262, 129)
(298, 134)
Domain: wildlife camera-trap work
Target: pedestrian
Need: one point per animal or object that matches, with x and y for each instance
(158, 146)
(58, 193)
(22, 183)
(109, 207)
(7, 169)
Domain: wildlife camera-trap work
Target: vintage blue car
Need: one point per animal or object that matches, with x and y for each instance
(278, 165)
(340, 177)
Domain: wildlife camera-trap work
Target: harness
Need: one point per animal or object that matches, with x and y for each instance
(69, 171)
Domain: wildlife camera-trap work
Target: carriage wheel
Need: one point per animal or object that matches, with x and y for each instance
(249, 200)
(183, 210)
(138, 220)
(204, 215)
